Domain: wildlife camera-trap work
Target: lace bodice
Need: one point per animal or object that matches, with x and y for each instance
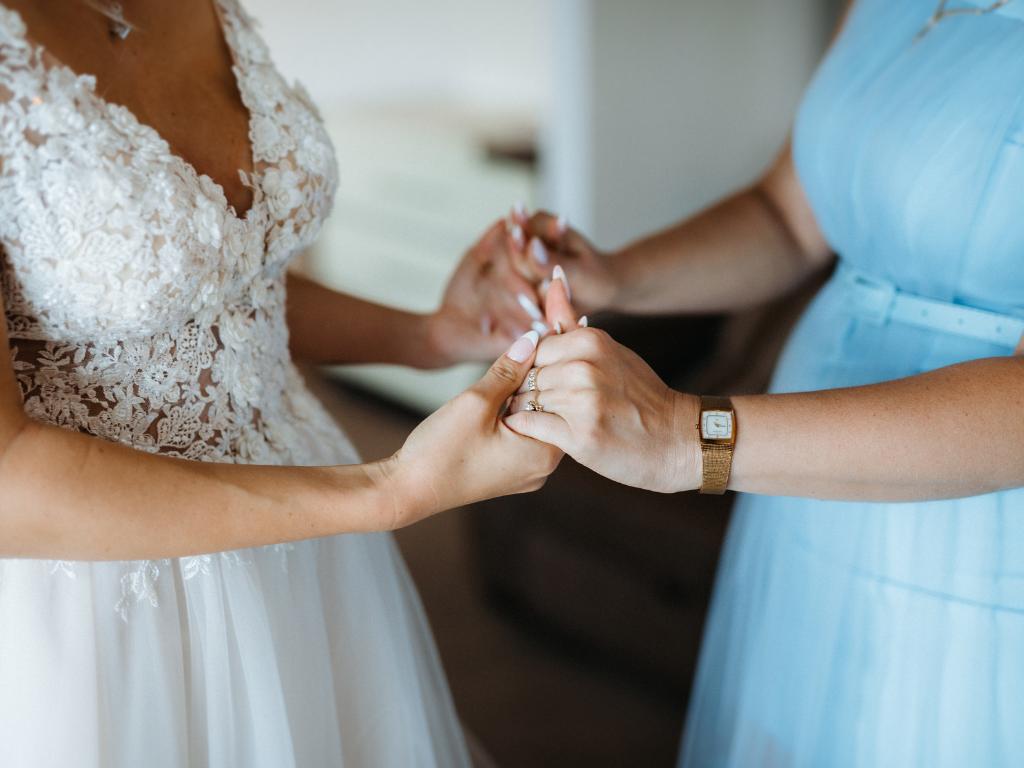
(140, 307)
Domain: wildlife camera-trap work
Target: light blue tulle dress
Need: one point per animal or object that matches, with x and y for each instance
(856, 634)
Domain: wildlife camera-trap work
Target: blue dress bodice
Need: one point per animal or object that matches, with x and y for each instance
(911, 151)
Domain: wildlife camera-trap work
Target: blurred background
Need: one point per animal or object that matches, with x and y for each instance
(568, 621)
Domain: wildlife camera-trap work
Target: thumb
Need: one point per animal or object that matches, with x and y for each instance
(504, 378)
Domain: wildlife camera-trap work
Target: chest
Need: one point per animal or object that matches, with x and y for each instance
(910, 150)
(174, 73)
(107, 230)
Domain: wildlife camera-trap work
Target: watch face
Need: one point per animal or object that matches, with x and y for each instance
(716, 425)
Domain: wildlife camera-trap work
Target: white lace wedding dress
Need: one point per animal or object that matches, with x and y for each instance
(143, 310)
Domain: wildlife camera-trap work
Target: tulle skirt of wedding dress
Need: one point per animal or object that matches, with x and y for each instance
(313, 654)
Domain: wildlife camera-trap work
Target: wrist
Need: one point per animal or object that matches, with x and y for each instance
(685, 468)
(432, 342)
(396, 499)
(615, 263)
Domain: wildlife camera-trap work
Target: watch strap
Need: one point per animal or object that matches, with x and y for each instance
(717, 460)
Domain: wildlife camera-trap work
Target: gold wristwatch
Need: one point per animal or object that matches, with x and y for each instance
(717, 430)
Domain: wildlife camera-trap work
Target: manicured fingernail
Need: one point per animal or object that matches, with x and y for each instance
(540, 328)
(583, 323)
(540, 253)
(563, 225)
(519, 211)
(529, 307)
(545, 284)
(524, 346)
(558, 328)
(559, 274)
(518, 237)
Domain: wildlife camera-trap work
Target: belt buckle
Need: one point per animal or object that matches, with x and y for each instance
(874, 297)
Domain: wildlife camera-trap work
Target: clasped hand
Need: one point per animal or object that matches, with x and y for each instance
(560, 388)
(600, 403)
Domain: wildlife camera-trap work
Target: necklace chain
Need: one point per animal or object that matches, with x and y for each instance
(943, 11)
(120, 27)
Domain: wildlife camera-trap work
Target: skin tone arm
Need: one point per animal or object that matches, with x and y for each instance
(920, 438)
(481, 313)
(747, 249)
(66, 495)
(328, 327)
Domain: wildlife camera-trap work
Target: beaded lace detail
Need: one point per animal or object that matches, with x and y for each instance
(141, 308)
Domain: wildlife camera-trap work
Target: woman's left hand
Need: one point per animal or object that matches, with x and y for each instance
(605, 407)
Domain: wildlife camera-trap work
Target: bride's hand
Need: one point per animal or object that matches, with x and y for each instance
(605, 407)
(464, 453)
(487, 303)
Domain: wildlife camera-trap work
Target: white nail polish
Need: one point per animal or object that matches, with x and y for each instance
(545, 284)
(583, 323)
(518, 237)
(529, 307)
(521, 350)
(541, 328)
(540, 253)
(559, 274)
(558, 328)
(519, 211)
(563, 225)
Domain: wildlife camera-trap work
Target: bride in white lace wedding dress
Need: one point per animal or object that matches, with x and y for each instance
(142, 310)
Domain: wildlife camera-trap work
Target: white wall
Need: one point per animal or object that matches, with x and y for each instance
(484, 53)
(664, 105)
(649, 108)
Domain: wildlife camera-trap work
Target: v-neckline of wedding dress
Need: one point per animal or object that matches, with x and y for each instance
(248, 177)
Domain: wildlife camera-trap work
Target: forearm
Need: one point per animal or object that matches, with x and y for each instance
(68, 496)
(950, 433)
(737, 253)
(749, 248)
(332, 328)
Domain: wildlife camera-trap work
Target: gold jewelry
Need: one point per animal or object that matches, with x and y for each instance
(120, 27)
(531, 380)
(533, 405)
(942, 12)
(716, 428)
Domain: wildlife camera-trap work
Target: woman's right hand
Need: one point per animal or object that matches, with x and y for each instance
(551, 241)
(464, 453)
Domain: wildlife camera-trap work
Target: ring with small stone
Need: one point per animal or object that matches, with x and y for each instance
(531, 380)
(533, 405)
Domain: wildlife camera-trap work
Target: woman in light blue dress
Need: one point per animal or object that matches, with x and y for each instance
(885, 629)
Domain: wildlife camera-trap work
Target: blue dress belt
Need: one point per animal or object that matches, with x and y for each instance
(881, 301)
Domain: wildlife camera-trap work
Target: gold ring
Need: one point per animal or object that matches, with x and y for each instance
(533, 405)
(531, 380)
